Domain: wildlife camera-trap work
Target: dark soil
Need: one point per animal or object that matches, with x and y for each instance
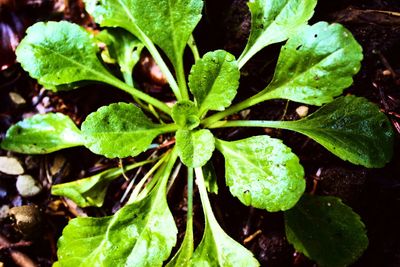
(373, 193)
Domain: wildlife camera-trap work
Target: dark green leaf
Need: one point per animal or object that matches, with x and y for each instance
(42, 134)
(326, 230)
(352, 128)
(214, 80)
(262, 172)
(140, 234)
(122, 47)
(195, 148)
(274, 21)
(167, 23)
(315, 65)
(120, 130)
(185, 114)
(60, 54)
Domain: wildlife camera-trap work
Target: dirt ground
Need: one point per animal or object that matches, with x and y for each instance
(373, 193)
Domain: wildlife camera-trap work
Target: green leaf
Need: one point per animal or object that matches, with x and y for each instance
(352, 128)
(326, 230)
(122, 47)
(42, 134)
(60, 54)
(274, 21)
(185, 114)
(195, 148)
(315, 65)
(140, 234)
(216, 247)
(210, 178)
(91, 191)
(183, 256)
(214, 80)
(262, 172)
(167, 23)
(120, 130)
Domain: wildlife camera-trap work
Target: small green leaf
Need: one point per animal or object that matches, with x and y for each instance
(274, 21)
(185, 114)
(123, 47)
(262, 172)
(42, 134)
(167, 23)
(315, 65)
(120, 130)
(140, 234)
(210, 178)
(60, 54)
(216, 247)
(326, 230)
(195, 148)
(89, 191)
(352, 128)
(214, 80)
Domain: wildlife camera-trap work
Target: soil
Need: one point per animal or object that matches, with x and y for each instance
(373, 193)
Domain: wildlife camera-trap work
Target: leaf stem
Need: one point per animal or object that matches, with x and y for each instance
(249, 123)
(161, 64)
(139, 94)
(180, 74)
(255, 99)
(192, 45)
(138, 187)
(189, 222)
(205, 201)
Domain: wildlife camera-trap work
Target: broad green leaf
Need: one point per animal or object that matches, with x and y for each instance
(216, 247)
(122, 47)
(352, 128)
(214, 80)
(91, 191)
(120, 130)
(262, 172)
(60, 54)
(210, 178)
(315, 65)
(185, 114)
(167, 23)
(275, 21)
(195, 148)
(42, 134)
(140, 234)
(326, 230)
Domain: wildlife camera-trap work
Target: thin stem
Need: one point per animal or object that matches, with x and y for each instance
(180, 74)
(161, 64)
(205, 201)
(257, 98)
(135, 192)
(192, 45)
(129, 81)
(244, 123)
(189, 221)
(139, 94)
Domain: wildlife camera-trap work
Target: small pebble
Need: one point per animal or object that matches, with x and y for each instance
(27, 219)
(302, 111)
(11, 166)
(17, 98)
(27, 186)
(4, 211)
